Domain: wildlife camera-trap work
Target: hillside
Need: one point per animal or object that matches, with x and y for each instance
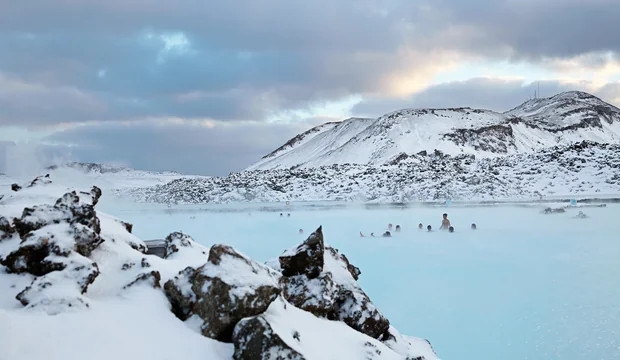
(536, 124)
(576, 170)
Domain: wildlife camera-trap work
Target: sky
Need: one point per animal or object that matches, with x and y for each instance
(209, 87)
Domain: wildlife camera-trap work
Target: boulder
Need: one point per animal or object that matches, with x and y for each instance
(305, 259)
(255, 339)
(355, 309)
(334, 293)
(55, 243)
(317, 296)
(82, 218)
(228, 288)
(58, 291)
(176, 241)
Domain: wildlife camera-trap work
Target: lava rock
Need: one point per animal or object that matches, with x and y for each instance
(228, 288)
(306, 259)
(175, 241)
(317, 296)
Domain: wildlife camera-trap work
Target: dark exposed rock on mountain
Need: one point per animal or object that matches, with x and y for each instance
(583, 168)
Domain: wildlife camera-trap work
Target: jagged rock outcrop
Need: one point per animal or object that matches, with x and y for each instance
(175, 241)
(306, 259)
(334, 293)
(54, 244)
(228, 288)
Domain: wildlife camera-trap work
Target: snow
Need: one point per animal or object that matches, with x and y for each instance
(243, 275)
(577, 171)
(537, 124)
(316, 340)
(135, 326)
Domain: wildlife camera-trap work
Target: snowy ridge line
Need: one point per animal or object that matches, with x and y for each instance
(536, 124)
(584, 169)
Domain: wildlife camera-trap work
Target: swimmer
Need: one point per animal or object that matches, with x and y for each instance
(281, 214)
(362, 235)
(451, 229)
(387, 234)
(473, 226)
(420, 226)
(372, 234)
(581, 215)
(289, 215)
(389, 226)
(445, 223)
(301, 231)
(397, 228)
(429, 228)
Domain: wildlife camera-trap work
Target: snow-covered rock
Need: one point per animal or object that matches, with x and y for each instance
(175, 242)
(306, 259)
(228, 288)
(305, 336)
(580, 169)
(59, 255)
(334, 292)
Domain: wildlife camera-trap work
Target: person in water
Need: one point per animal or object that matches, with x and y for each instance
(445, 223)
(473, 226)
(281, 214)
(429, 228)
(301, 231)
(289, 215)
(387, 234)
(420, 226)
(362, 235)
(581, 215)
(451, 229)
(397, 228)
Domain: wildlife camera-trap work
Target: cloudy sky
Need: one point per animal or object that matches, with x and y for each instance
(208, 87)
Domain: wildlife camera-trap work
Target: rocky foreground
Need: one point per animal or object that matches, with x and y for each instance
(576, 170)
(69, 257)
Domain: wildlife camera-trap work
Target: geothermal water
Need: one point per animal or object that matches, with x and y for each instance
(523, 286)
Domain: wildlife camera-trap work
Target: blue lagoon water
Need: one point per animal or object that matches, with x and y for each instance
(523, 286)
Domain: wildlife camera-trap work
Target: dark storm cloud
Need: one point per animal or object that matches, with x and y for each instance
(190, 149)
(483, 93)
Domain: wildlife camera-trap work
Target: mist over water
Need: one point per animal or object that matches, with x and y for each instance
(523, 286)
(24, 160)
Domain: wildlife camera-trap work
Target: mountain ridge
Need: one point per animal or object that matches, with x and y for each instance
(577, 170)
(562, 119)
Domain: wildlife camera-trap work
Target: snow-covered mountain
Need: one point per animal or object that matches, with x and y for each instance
(96, 168)
(537, 124)
(577, 171)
